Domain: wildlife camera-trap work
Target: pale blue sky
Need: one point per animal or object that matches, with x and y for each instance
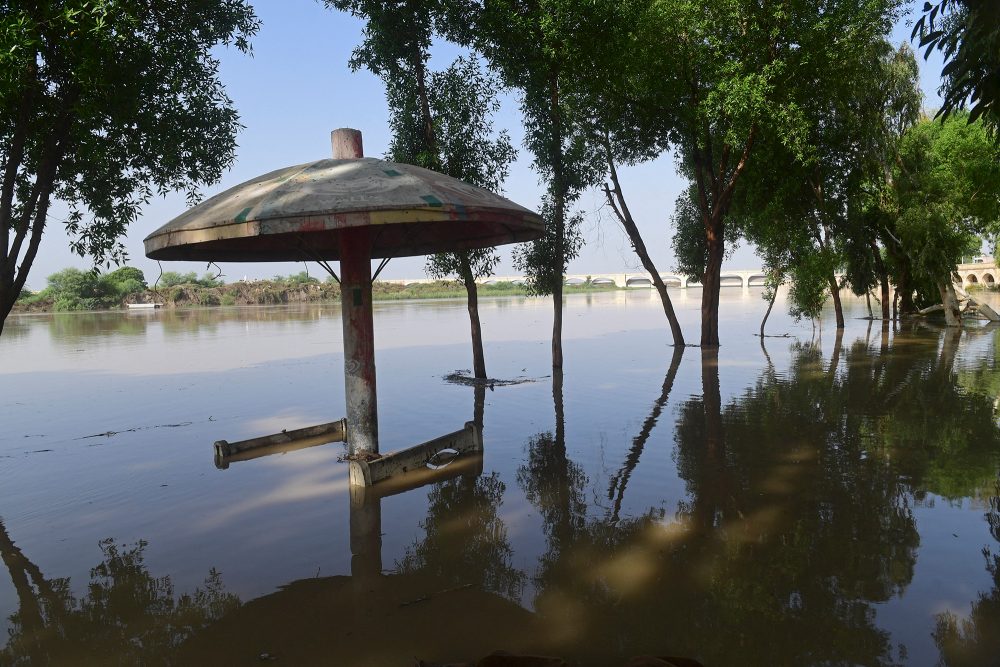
(298, 87)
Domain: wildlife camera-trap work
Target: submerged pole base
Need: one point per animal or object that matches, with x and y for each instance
(369, 472)
(287, 441)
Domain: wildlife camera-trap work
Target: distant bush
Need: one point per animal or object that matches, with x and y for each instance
(300, 278)
(208, 299)
(173, 279)
(73, 289)
(128, 280)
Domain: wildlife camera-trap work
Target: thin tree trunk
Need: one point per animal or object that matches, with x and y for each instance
(471, 290)
(625, 217)
(713, 216)
(559, 197)
(883, 278)
(838, 308)
(33, 221)
(430, 138)
(711, 283)
(770, 305)
(36, 209)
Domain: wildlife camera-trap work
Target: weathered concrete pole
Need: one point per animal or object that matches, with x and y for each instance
(356, 313)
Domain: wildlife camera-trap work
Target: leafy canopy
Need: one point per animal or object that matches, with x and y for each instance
(104, 103)
(947, 187)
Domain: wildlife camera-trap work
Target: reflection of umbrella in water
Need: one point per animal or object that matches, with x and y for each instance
(351, 209)
(371, 617)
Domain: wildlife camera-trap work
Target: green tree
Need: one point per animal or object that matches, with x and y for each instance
(73, 289)
(600, 47)
(102, 105)
(128, 280)
(947, 189)
(173, 279)
(461, 100)
(967, 32)
(530, 46)
(733, 75)
(440, 120)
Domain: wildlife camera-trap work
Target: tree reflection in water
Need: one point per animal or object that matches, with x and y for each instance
(797, 522)
(975, 640)
(798, 519)
(465, 541)
(127, 616)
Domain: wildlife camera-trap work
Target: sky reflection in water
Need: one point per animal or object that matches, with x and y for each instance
(816, 500)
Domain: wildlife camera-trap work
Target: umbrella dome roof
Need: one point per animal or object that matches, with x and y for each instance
(297, 213)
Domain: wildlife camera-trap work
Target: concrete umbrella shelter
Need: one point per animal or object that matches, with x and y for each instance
(352, 209)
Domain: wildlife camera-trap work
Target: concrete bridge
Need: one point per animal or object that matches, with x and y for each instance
(979, 273)
(976, 273)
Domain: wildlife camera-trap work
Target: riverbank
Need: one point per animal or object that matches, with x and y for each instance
(270, 292)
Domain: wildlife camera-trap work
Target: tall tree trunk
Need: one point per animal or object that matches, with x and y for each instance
(770, 305)
(471, 290)
(715, 194)
(904, 290)
(952, 312)
(557, 317)
(711, 283)
(838, 307)
(883, 278)
(559, 201)
(430, 138)
(33, 217)
(616, 199)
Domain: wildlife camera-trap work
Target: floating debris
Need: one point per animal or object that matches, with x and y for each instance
(464, 378)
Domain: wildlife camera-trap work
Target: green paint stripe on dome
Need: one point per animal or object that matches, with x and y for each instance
(242, 216)
(432, 200)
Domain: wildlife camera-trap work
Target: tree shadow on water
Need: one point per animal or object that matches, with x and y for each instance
(127, 616)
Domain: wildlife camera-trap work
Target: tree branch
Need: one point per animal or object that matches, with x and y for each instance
(14, 157)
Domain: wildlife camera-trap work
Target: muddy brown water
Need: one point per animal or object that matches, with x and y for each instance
(821, 500)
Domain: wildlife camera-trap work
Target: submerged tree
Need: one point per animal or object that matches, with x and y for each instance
(714, 80)
(103, 105)
(947, 189)
(528, 45)
(461, 100)
(440, 120)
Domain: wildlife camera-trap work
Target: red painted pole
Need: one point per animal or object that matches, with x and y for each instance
(356, 315)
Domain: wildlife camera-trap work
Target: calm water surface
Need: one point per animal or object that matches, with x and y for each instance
(817, 500)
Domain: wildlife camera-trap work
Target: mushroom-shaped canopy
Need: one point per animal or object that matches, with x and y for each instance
(297, 213)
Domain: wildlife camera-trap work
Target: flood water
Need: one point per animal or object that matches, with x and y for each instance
(818, 500)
